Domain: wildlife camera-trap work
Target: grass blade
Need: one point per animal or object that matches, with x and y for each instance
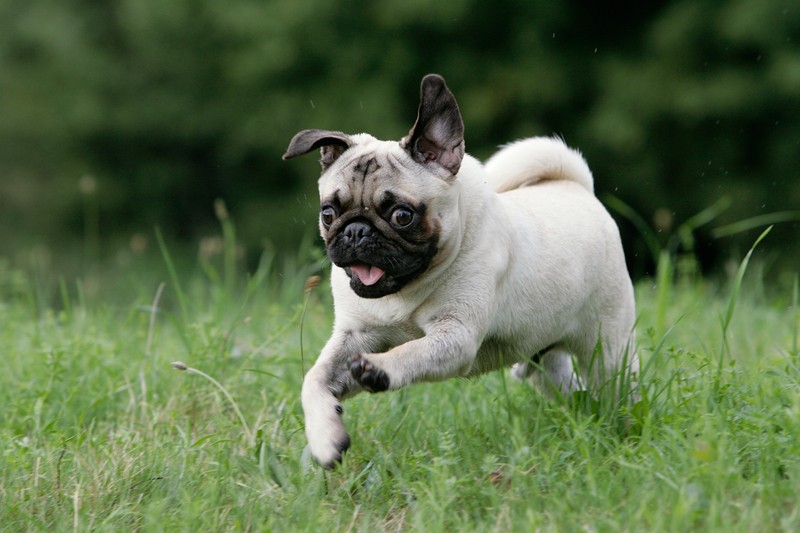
(173, 274)
(755, 222)
(796, 309)
(726, 321)
(639, 223)
(737, 284)
(686, 230)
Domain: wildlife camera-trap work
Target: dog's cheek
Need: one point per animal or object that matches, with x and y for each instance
(426, 239)
(430, 230)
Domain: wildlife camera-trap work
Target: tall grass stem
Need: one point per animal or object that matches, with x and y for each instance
(796, 309)
(173, 274)
(178, 365)
(728, 317)
(153, 312)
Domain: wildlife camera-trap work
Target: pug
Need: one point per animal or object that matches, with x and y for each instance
(444, 267)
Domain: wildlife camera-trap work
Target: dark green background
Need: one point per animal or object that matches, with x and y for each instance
(117, 116)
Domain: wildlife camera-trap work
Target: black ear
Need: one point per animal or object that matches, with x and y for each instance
(330, 143)
(438, 134)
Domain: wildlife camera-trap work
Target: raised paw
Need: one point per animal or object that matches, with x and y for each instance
(371, 378)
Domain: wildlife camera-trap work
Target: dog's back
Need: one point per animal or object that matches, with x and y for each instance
(570, 279)
(536, 159)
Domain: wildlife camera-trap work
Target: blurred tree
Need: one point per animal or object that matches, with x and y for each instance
(166, 105)
(708, 106)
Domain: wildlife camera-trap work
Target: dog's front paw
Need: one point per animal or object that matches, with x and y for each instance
(370, 377)
(331, 454)
(327, 436)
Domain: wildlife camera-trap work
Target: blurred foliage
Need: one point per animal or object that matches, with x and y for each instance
(117, 116)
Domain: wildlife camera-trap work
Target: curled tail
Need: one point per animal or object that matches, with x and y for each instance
(529, 161)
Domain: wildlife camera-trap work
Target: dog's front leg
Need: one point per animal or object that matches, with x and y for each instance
(448, 349)
(327, 383)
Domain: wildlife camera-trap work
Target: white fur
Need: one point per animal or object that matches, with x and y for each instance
(538, 266)
(530, 161)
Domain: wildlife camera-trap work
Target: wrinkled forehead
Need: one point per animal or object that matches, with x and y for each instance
(370, 170)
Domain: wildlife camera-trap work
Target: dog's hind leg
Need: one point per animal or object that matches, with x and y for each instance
(551, 371)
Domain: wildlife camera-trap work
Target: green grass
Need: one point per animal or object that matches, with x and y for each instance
(99, 432)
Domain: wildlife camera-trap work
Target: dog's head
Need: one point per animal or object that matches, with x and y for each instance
(387, 208)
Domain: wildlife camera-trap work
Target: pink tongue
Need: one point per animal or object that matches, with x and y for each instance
(367, 274)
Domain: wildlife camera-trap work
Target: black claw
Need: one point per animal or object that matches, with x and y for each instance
(345, 444)
(371, 378)
(357, 367)
(341, 447)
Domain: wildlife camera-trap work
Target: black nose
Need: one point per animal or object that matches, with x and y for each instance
(357, 232)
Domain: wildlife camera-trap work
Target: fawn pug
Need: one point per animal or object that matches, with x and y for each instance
(443, 266)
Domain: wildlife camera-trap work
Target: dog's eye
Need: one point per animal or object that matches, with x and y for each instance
(402, 217)
(328, 215)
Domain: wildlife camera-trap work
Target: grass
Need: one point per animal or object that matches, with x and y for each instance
(99, 432)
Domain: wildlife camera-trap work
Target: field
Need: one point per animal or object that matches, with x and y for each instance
(99, 432)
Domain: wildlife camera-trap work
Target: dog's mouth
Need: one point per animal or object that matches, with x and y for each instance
(376, 265)
(371, 281)
(368, 275)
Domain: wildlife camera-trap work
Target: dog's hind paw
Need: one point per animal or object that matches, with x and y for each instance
(522, 371)
(370, 377)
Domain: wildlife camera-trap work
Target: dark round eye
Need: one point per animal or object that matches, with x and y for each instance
(327, 215)
(402, 217)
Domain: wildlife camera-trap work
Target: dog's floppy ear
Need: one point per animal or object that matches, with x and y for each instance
(438, 134)
(330, 143)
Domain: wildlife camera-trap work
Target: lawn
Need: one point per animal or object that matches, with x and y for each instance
(99, 432)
